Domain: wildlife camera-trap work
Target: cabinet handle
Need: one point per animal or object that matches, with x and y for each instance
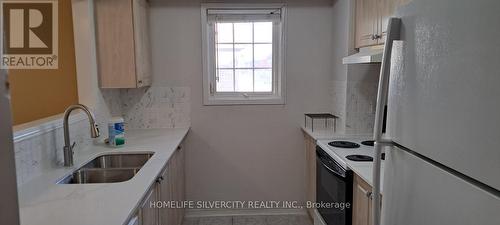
(369, 194)
(376, 36)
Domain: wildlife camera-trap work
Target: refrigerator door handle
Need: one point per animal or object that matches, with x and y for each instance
(393, 33)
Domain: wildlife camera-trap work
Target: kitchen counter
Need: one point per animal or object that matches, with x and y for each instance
(322, 134)
(366, 173)
(318, 134)
(43, 202)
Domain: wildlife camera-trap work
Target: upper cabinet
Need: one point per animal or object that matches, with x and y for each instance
(387, 9)
(371, 18)
(122, 39)
(366, 22)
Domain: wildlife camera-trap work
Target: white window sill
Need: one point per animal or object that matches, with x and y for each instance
(244, 101)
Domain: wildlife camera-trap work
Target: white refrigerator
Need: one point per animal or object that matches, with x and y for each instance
(440, 80)
(9, 210)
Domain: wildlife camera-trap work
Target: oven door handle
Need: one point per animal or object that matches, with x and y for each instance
(336, 173)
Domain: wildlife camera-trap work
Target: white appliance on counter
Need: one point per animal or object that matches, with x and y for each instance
(9, 209)
(441, 84)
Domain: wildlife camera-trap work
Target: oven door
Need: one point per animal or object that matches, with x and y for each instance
(333, 185)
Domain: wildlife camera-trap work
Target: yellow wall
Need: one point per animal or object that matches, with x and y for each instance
(36, 94)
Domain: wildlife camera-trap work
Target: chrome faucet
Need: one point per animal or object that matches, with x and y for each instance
(68, 147)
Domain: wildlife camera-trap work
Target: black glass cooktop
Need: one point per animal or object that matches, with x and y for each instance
(344, 144)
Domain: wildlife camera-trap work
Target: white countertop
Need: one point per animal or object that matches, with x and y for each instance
(319, 134)
(362, 169)
(43, 202)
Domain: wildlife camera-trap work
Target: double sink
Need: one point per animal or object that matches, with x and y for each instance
(109, 168)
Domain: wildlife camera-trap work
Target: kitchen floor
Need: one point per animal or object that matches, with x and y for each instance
(249, 220)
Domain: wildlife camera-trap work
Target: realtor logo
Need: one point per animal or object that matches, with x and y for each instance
(30, 32)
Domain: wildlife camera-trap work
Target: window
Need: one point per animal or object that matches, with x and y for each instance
(243, 54)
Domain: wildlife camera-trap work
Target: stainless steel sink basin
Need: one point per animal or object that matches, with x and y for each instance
(110, 168)
(119, 161)
(89, 176)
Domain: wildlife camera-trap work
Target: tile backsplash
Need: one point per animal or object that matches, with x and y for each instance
(44, 150)
(152, 107)
(338, 93)
(354, 99)
(361, 101)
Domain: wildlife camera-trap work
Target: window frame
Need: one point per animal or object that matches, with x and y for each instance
(210, 96)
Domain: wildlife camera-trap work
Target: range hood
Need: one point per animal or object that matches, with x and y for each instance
(372, 54)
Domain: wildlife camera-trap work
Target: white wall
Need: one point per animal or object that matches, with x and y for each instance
(341, 44)
(246, 152)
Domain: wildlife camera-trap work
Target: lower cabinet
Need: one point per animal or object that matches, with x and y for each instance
(172, 189)
(362, 202)
(149, 215)
(310, 147)
(168, 189)
(134, 220)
